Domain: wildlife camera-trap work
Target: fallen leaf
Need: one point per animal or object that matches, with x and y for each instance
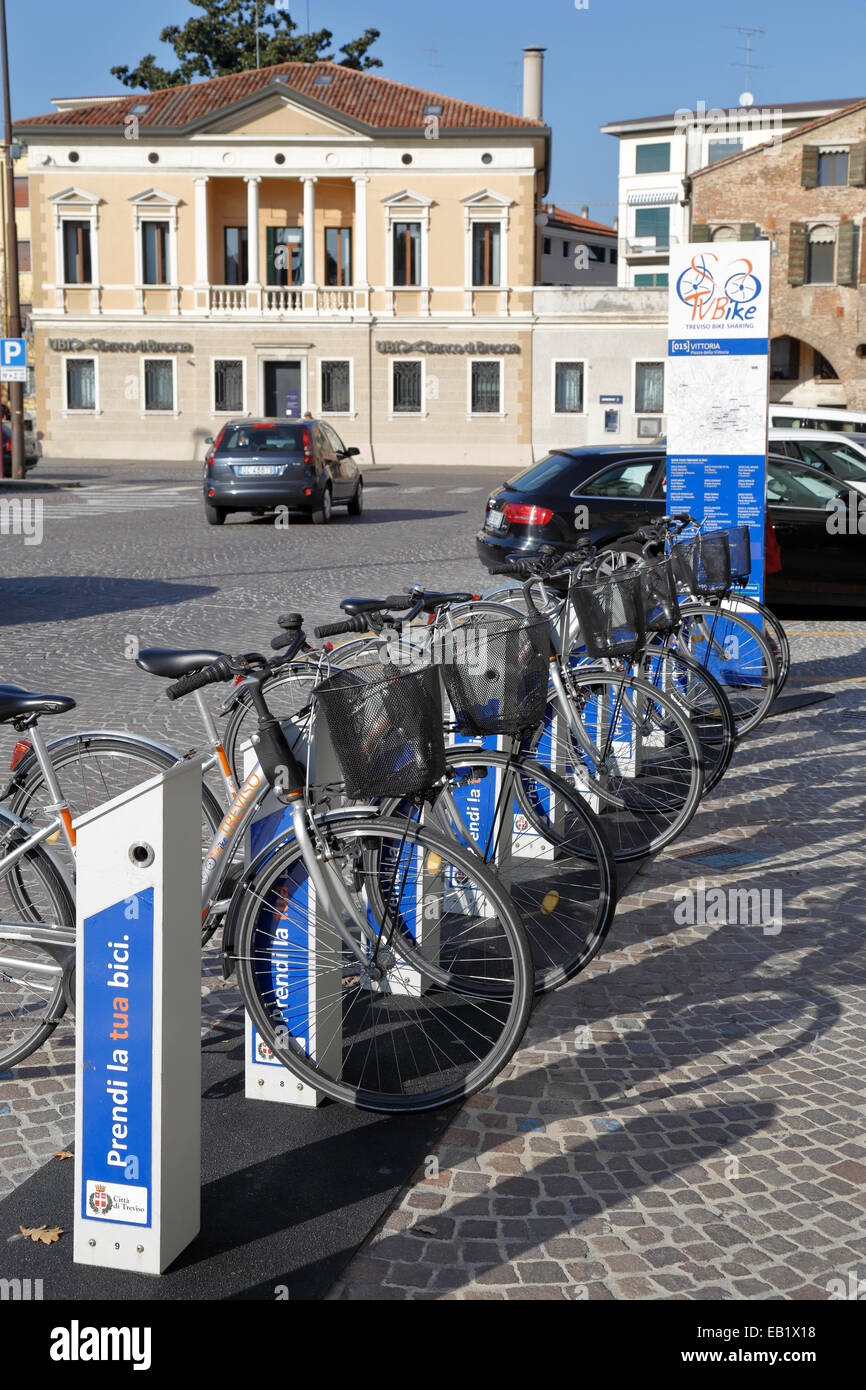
(63, 1153)
(42, 1233)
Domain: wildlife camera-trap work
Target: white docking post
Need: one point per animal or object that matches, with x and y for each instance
(138, 1033)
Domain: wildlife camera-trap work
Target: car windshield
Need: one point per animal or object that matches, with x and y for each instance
(261, 439)
(837, 458)
(800, 487)
(554, 469)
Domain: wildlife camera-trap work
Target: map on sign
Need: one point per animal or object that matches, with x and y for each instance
(731, 416)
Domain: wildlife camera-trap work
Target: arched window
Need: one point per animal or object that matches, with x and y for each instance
(821, 258)
(724, 234)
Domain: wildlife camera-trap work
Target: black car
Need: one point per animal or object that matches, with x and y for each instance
(617, 490)
(30, 458)
(259, 465)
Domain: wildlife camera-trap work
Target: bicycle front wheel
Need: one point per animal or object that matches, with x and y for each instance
(442, 996)
(740, 657)
(631, 752)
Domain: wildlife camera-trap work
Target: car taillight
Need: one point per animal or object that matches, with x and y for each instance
(308, 445)
(526, 515)
(21, 749)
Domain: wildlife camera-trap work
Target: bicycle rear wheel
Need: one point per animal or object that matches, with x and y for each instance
(441, 1002)
(706, 703)
(32, 972)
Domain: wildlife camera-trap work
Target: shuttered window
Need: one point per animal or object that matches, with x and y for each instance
(797, 253)
(847, 246)
(809, 174)
(700, 231)
(857, 166)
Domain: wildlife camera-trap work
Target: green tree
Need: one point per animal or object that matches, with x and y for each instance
(223, 40)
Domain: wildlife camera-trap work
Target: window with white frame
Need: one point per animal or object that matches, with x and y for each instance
(80, 373)
(336, 381)
(77, 260)
(486, 253)
(407, 387)
(485, 386)
(154, 252)
(649, 387)
(228, 386)
(158, 384)
(408, 233)
(155, 216)
(568, 388)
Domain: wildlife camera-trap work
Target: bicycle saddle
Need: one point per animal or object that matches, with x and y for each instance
(15, 702)
(172, 662)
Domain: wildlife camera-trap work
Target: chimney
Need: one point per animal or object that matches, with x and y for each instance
(533, 83)
(584, 211)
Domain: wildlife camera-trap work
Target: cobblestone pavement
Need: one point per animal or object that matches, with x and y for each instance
(685, 1119)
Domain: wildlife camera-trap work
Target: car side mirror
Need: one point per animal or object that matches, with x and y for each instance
(209, 439)
(351, 453)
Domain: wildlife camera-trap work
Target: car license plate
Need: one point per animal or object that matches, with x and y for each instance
(260, 470)
(495, 520)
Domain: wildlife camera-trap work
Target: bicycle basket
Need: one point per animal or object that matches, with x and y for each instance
(611, 614)
(496, 673)
(740, 546)
(659, 593)
(386, 727)
(704, 564)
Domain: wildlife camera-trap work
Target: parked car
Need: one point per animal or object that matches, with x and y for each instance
(842, 455)
(816, 417)
(622, 489)
(31, 457)
(258, 465)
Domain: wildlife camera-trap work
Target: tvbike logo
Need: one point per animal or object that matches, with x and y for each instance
(716, 293)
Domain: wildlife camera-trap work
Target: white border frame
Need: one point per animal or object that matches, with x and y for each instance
(351, 413)
(218, 414)
(485, 414)
(647, 361)
(407, 414)
(573, 362)
(72, 412)
(158, 414)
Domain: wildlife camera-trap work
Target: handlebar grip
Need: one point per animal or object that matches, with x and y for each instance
(358, 624)
(501, 569)
(208, 675)
(401, 601)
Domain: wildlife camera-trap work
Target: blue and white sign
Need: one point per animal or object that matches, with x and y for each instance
(13, 359)
(717, 388)
(117, 1026)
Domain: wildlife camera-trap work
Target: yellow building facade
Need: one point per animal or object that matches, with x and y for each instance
(299, 238)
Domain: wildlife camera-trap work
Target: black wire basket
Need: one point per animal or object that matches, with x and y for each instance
(496, 673)
(659, 594)
(611, 615)
(386, 725)
(740, 546)
(703, 565)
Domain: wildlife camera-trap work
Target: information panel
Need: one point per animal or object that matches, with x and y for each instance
(717, 383)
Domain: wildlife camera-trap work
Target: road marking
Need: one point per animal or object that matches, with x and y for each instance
(406, 490)
(452, 492)
(105, 501)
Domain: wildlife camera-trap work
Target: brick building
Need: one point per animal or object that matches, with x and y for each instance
(806, 192)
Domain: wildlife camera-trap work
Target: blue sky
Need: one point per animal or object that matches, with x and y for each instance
(608, 60)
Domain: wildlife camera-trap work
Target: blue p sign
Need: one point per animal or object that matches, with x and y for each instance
(13, 352)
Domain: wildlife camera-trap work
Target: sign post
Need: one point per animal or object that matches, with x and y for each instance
(138, 1035)
(717, 388)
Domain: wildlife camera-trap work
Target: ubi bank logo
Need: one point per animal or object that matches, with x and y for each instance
(719, 291)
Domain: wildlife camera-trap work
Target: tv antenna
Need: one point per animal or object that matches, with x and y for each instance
(746, 97)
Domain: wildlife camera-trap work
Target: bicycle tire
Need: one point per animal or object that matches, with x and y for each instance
(709, 709)
(746, 666)
(641, 813)
(505, 999)
(566, 908)
(53, 906)
(777, 637)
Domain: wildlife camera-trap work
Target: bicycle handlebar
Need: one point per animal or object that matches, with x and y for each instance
(221, 670)
(358, 624)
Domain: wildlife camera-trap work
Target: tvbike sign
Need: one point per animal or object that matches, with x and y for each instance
(717, 379)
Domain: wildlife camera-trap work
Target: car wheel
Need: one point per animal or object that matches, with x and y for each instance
(322, 514)
(356, 503)
(215, 516)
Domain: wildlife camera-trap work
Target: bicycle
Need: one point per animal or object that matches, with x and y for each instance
(416, 957)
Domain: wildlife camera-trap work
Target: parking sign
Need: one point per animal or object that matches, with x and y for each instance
(13, 359)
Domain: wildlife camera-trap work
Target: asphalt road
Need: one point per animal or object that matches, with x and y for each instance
(127, 558)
